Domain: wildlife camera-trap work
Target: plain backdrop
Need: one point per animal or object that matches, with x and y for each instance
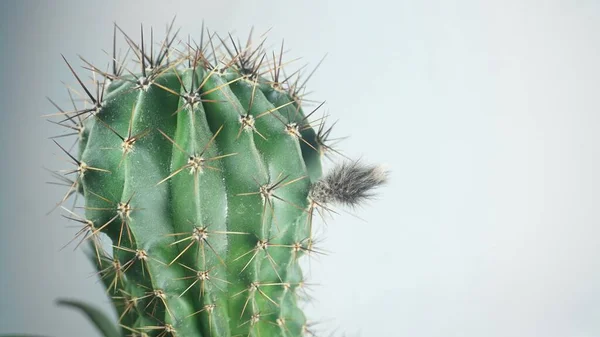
(487, 113)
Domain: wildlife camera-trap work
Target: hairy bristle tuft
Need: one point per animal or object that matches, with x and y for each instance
(349, 184)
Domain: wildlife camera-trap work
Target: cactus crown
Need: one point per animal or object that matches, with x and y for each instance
(202, 167)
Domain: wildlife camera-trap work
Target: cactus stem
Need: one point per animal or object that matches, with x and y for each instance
(218, 91)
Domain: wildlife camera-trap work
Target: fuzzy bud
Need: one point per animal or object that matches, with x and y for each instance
(349, 184)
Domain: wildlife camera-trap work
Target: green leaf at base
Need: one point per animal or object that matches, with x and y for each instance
(104, 324)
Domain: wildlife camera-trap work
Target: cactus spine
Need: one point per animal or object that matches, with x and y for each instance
(206, 177)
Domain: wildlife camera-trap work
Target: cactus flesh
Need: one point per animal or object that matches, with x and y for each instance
(205, 173)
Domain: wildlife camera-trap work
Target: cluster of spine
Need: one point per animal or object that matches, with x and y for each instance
(203, 170)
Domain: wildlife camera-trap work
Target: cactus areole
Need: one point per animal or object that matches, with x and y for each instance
(202, 164)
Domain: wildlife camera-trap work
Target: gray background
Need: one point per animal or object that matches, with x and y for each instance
(486, 112)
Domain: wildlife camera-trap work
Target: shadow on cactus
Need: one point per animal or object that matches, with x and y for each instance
(201, 161)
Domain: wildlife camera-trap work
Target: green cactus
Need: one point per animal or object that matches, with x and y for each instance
(204, 170)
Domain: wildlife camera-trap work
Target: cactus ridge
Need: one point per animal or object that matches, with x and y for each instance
(204, 174)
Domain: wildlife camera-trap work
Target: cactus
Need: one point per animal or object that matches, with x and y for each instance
(202, 164)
